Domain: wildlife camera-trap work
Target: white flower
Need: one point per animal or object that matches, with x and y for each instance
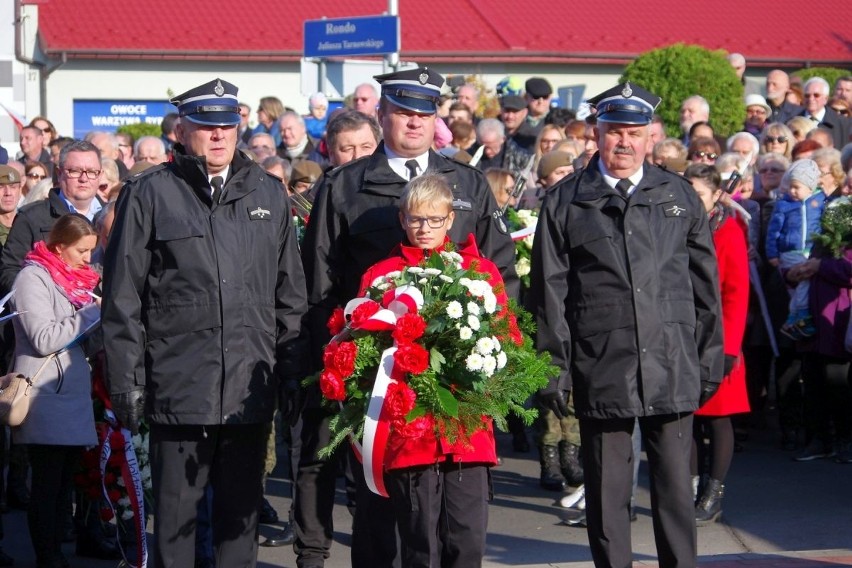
(382, 286)
(489, 364)
(497, 346)
(527, 217)
(124, 502)
(423, 281)
(529, 240)
(465, 333)
(415, 270)
(465, 282)
(445, 278)
(501, 359)
(432, 271)
(377, 281)
(473, 308)
(473, 322)
(478, 288)
(490, 303)
(127, 515)
(454, 310)
(522, 267)
(484, 345)
(119, 481)
(393, 274)
(474, 362)
(451, 258)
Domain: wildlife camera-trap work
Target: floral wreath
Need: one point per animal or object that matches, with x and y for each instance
(428, 348)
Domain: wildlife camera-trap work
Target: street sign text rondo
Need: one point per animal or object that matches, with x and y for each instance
(343, 37)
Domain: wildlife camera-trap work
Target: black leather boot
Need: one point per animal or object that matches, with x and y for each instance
(709, 507)
(569, 459)
(551, 472)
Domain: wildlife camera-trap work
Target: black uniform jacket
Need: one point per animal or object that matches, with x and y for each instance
(355, 223)
(626, 294)
(202, 301)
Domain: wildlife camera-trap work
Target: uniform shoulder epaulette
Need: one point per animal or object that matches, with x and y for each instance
(146, 171)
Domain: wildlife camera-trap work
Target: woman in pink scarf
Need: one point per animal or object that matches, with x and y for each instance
(53, 293)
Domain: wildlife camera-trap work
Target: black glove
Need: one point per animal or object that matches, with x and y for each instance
(708, 389)
(129, 408)
(290, 401)
(730, 361)
(557, 401)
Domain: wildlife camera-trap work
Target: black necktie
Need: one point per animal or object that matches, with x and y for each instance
(815, 119)
(623, 186)
(216, 183)
(412, 167)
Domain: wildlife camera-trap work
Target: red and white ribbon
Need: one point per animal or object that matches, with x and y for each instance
(402, 300)
(522, 233)
(133, 483)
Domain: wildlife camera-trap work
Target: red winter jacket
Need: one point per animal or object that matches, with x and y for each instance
(732, 254)
(416, 443)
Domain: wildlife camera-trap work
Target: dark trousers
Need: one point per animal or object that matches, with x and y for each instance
(374, 543)
(828, 397)
(315, 486)
(442, 513)
(608, 464)
(52, 472)
(184, 460)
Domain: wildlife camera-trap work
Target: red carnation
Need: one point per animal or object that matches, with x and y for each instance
(340, 357)
(114, 495)
(400, 400)
(336, 322)
(332, 386)
(106, 514)
(363, 312)
(411, 358)
(417, 428)
(409, 328)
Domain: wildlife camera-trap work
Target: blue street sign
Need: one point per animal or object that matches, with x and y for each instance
(342, 37)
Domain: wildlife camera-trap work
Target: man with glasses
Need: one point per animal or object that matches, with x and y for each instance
(816, 96)
(244, 130)
(366, 99)
(79, 174)
(262, 145)
(354, 224)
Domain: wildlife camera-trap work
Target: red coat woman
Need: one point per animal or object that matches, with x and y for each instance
(713, 418)
(732, 255)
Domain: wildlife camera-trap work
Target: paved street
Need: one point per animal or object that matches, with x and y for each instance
(776, 513)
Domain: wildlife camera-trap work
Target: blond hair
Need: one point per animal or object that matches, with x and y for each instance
(426, 189)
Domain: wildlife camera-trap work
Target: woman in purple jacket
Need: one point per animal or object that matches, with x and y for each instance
(826, 365)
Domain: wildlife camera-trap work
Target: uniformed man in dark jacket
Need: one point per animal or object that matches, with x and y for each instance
(624, 288)
(354, 224)
(203, 296)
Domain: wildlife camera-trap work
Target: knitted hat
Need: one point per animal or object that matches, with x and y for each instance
(804, 171)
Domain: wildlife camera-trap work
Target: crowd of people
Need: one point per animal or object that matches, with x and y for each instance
(214, 255)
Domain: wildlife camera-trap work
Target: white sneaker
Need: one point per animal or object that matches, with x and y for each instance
(575, 500)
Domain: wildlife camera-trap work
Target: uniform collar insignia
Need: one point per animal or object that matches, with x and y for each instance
(675, 210)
